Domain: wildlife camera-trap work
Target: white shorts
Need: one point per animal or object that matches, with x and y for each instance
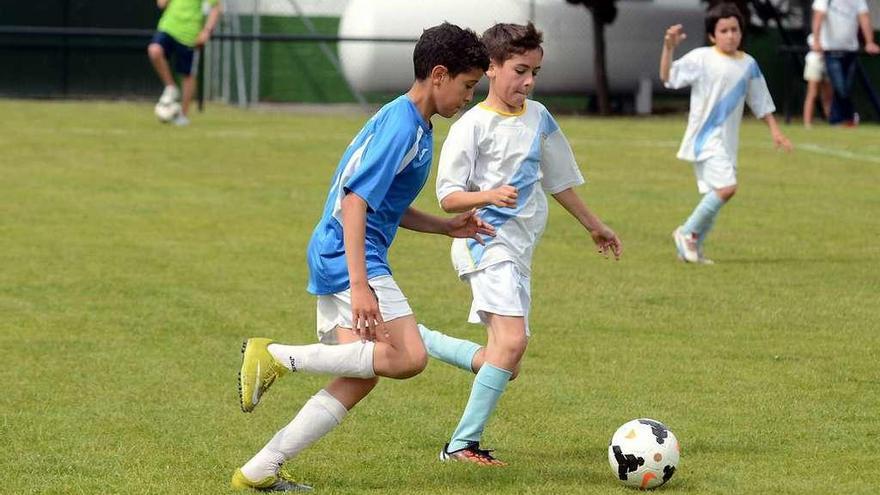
(714, 173)
(814, 67)
(334, 310)
(500, 289)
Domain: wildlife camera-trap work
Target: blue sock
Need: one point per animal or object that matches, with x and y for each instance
(708, 228)
(703, 217)
(457, 352)
(488, 387)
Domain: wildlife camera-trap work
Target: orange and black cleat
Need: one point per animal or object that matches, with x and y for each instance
(472, 453)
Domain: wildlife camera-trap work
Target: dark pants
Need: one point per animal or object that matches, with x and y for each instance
(182, 55)
(841, 69)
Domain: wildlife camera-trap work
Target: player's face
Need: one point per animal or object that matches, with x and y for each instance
(513, 80)
(727, 36)
(455, 92)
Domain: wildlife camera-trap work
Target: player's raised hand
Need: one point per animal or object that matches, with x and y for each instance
(674, 36)
(366, 319)
(469, 225)
(607, 241)
(504, 196)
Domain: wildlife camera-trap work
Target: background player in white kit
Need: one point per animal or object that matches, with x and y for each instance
(499, 157)
(722, 78)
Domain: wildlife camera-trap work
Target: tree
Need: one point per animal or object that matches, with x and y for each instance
(603, 13)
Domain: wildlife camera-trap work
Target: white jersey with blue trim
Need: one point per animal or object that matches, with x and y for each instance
(720, 85)
(486, 149)
(387, 164)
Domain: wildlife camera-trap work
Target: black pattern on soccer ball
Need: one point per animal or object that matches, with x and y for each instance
(626, 463)
(658, 429)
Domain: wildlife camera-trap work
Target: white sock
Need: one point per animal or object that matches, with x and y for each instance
(353, 360)
(316, 418)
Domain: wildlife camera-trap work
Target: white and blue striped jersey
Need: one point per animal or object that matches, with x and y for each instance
(487, 149)
(720, 86)
(386, 164)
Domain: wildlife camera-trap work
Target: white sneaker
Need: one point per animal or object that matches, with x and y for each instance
(703, 260)
(169, 95)
(686, 245)
(181, 120)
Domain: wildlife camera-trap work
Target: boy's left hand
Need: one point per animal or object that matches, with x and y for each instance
(782, 142)
(607, 241)
(203, 37)
(469, 225)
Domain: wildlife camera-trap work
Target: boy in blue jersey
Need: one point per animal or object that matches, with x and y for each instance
(722, 79)
(366, 328)
(500, 157)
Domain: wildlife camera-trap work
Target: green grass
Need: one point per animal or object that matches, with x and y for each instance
(135, 257)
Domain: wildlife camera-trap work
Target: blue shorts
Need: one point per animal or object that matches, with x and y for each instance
(183, 55)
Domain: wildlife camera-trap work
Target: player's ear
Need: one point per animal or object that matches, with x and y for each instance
(490, 73)
(438, 73)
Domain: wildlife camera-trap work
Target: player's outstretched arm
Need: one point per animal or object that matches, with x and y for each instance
(602, 235)
(465, 225)
(673, 37)
(779, 139)
(461, 201)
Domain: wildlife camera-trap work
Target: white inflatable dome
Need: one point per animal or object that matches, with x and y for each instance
(633, 41)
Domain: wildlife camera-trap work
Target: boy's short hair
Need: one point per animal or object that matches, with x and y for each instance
(506, 40)
(457, 49)
(723, 11)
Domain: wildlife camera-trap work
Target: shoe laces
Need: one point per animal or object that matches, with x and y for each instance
(475, 450)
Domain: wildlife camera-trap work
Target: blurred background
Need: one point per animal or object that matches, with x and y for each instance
(278, 52)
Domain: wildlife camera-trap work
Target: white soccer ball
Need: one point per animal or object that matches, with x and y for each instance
(643, 453)
(166, 112)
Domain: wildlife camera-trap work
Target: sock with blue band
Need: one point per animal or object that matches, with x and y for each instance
(703, 216)
(489, 384)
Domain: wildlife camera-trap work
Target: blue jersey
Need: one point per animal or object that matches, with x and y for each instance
(387, 165)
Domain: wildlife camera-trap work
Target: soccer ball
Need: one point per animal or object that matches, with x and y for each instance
(643, 453)
(166, 112)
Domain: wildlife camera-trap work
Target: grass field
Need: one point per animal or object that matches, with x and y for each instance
(135, 257)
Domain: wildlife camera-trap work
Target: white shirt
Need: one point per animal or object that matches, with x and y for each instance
(840, 28)
(720, 86)
(486, 149)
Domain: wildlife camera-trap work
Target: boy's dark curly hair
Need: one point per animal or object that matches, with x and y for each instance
(457, 49)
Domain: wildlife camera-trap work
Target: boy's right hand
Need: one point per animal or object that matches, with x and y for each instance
(504, 196)
(674, 36)
(366, 319)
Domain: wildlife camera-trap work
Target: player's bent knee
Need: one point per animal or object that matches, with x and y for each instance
(154, 50)
(414, 365)
(725, 193)
(514, 345)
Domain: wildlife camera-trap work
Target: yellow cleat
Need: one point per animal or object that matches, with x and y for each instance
(258, 371)
(267, 484)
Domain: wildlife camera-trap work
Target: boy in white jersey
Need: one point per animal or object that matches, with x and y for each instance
(366, 328)
(722, 79)
(500, 157)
